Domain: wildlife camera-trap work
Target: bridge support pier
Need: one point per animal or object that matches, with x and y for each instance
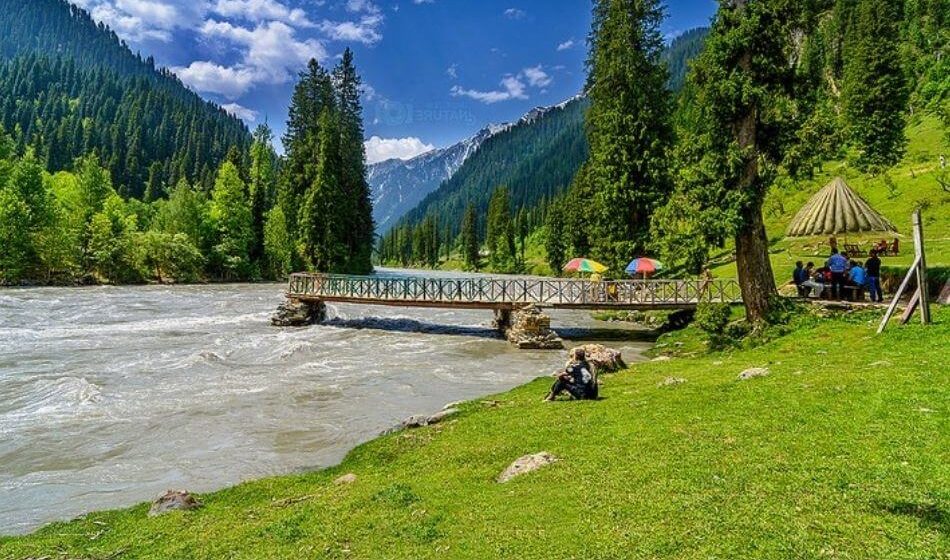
(299, 313)
(530, 329)
(502, 320)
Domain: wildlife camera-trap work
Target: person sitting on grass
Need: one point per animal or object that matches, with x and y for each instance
(578, 379)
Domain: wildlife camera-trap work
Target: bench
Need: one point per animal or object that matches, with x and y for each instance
(854, 293)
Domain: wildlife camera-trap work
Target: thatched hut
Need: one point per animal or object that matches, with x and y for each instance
(837, 209)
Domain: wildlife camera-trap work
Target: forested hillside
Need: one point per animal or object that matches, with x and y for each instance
(536, 160)
(70, 87)
(680, 51)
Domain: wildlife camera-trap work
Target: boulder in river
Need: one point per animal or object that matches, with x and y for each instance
(296, 313)
(526, 464)
(173, 500)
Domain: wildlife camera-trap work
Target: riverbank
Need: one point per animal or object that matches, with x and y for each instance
(839, 451)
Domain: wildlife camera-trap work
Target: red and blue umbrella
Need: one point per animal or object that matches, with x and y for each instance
(643, 266)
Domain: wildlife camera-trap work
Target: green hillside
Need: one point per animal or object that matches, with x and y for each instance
(69, 86)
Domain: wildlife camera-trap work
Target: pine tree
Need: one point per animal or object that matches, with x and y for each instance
(263, 176)
(736, 137)
(554, 238)
(874, 91)
(470, 238)
(628, 125)
(352, 173)
(500, 236)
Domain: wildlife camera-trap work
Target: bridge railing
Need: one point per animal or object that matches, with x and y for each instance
(486, 290)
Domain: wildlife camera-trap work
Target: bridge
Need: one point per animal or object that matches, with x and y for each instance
(516, 301)
(509, 293)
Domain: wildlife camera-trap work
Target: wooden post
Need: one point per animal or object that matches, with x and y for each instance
(921, 268)
(918, 269)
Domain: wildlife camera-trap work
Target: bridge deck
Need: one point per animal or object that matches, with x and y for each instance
(482, 292)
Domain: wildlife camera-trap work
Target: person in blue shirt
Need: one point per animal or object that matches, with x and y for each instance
(838, 265)
(799, 277)
(857, 276)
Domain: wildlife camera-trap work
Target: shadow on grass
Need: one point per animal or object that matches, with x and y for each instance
(929, 515)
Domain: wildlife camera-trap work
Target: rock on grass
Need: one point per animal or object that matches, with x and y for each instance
(526, 464)
(173, 500)
(752, 373)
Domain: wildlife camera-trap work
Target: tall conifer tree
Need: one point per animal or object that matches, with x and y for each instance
(628, 127)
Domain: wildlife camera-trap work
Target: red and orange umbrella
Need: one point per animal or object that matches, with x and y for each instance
(643, 266)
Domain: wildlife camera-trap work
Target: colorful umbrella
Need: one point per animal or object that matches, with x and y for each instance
(584, 265)
(643, 265)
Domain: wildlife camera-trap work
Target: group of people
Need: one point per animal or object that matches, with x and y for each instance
(843, 276)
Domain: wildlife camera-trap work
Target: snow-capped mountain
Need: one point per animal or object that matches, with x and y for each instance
(398, 186)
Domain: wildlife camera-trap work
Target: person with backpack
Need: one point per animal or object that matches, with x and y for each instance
(578, 379)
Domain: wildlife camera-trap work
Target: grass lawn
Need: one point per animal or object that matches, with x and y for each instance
(842, 451)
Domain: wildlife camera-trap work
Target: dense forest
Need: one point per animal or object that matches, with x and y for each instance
(69, 87)
(534, 161)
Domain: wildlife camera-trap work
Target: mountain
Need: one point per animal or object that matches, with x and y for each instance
(535, 157)
(680, 51)
(399, 185)
(69, 86)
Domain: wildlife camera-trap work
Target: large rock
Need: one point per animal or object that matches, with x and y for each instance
(752, 373)
(420, 420)
(605, 360)
(296, 313)
(526, 464)
(173, 500)
(531, 330)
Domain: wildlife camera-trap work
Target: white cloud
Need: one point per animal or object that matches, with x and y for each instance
(138, 20)
(241, 112)
(536, 76)
(365, 31)
(569, 44)
(209, 77)
(261, 10)
(272, 54)
(380, 149)
(512, 88)
(515, 13)
(452, 71)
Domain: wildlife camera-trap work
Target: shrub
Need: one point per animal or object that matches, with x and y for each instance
(712, 318)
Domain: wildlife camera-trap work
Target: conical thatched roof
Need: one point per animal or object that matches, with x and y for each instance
(837, 209)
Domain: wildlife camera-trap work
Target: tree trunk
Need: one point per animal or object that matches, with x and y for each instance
(752, 246)
(755, 270)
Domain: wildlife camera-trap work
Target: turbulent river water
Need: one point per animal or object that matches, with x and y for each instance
(111, 395)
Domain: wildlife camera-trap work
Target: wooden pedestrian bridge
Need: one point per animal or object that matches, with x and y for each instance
(517, 301)
(510, 292)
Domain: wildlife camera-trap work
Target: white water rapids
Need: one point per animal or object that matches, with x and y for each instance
(111, 395)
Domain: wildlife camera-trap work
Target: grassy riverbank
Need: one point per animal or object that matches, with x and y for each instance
(840, 452)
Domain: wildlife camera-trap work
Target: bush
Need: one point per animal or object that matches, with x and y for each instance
(712, 318)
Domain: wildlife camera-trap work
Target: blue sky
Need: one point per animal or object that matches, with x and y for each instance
(434, 71)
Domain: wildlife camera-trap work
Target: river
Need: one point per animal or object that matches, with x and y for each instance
(111, 395)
